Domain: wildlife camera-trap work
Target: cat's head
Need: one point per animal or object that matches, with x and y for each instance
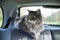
(34, 15)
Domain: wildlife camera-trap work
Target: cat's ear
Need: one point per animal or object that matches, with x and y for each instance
(29, 12)
(39, 11)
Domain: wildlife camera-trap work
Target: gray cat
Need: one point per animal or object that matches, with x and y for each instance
(31, 23)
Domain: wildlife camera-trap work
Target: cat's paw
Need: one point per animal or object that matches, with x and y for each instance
(37, 36)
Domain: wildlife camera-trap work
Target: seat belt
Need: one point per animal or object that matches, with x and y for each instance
(12, 17)
(8, 22)
(53, 38)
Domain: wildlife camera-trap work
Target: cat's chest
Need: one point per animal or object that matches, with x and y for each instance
(35, 27)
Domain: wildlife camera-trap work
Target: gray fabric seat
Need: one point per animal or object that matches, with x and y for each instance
(56, 34)
(21, 35)
(5, 34)
(15, 34)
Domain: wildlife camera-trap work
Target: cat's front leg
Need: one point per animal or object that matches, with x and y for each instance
(37, 36)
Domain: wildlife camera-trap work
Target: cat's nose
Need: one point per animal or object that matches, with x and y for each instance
(31, 18)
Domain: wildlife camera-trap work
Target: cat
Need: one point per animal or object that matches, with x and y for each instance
(31, 23)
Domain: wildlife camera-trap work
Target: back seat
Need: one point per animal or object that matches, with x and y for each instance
(15, 34)
(5, 34)
(21, 35)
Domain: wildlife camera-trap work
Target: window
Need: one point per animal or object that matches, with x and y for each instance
(50, 15)
(1, 17)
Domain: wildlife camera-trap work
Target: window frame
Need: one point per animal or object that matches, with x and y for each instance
(45, 6)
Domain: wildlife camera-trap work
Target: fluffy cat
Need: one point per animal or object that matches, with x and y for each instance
(31, 23)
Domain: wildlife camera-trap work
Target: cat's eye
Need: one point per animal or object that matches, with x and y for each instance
(49, 15)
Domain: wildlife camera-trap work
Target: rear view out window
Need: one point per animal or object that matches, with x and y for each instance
(50, 15)
(1, 17)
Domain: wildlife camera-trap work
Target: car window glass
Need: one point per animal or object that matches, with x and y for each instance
(50, 15)
(1, 17)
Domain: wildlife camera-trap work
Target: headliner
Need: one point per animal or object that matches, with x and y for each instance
(39, 2)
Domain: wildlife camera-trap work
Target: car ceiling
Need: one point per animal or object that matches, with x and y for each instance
(36, 2)
(39, 2)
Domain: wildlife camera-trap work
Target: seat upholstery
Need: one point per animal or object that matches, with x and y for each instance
(56, 34)
(15, 34)
(21, 35)
(5, 34)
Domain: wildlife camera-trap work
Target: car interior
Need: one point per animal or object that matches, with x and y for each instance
(11, 9)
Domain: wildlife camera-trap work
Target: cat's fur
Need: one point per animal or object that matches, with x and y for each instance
(32, 23)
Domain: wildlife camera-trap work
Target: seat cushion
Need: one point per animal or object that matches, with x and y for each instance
(5, 34)
(21, 35)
